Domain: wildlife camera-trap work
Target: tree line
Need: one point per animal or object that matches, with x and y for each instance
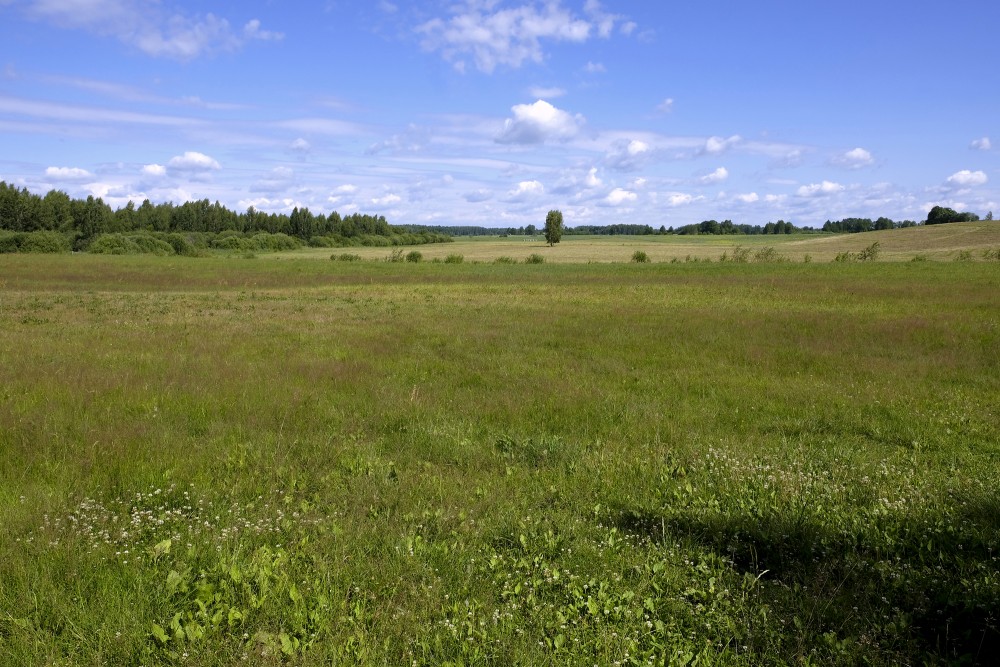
(85, 219)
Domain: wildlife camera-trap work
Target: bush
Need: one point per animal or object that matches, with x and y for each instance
(454, 259)
(34, 242)
(321, 242)
(992, 255)
(504, 260)
(871, 253)
(414, 256)
(114, 244)
(534, 258)
(767, 254)
(845, 257)
(395, 256)
(181, 245)
(740, 255)
(964, 256)
(640, 257)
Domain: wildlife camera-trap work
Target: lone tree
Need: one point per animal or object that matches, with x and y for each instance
(553, 227)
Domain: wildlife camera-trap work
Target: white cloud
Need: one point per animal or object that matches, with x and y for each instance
(981, 144)
(820, 189)
(638, 183)
(278, 180)
(719, 145)
(628, 155)
(478, 196)
(603, 21)
(592, 180)
(150, 28)
(546, 93)
(387, 200)
(620, 196)
(300, 145)
(775, 199)
(537, 123)
(510, 36)
(157, 170)
(717, 176)
(68, 173)
(193, 161)
(748, 198)
(681, 199)
(854, 159)
(666, 106)
(526, 190)
(966, 178)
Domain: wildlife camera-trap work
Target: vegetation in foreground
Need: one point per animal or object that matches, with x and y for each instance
(213, 461)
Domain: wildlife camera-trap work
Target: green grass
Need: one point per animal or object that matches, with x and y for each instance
(214, 460)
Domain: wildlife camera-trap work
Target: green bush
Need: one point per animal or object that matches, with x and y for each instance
(321, 242)
(34, 242)
(181, 245)
(871, 253)
(640, 257)
(396, 256)
(114, 244)
(454, 259)
(414, 256)
(505, 260)
(534, 258)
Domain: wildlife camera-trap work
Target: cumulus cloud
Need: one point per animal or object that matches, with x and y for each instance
(628, 155)
(966, 178)
(981, 144)
(823, 189)
(193, 161)
(508, 36)
(68, 173)
(278, 180)
(620, 196)
(854, 159)
(300, 145)
(592, 180)
(147, 26)
(478, 196)
(719, 145)
(387, 200)
(526, 190)
(717, 176)
(547, 93)
(748, 198)
(676, 199)
(157, 170)
(537, 123)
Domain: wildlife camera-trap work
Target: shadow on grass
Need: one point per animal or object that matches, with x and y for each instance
(883, 587)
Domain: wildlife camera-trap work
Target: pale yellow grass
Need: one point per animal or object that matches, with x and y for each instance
(937, 242)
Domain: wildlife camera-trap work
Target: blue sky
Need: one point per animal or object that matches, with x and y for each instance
(492, 112)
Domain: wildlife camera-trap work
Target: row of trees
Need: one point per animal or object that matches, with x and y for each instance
(23, 211)
(856, 225)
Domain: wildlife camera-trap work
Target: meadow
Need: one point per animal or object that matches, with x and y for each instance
(230, 460)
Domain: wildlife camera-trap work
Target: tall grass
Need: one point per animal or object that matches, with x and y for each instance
(210, 461)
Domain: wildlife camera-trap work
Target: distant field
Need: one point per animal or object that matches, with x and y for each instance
(935, 242)
(222, 460)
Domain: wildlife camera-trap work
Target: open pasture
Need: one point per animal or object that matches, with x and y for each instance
(221, 460)
(932, 242)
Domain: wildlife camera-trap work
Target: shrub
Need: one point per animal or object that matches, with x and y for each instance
(964, 256)
(845, 257)
(871, 253)
(181, 245)
(640, 257)
(114, 244)
(454, 259)
(992, 255)
(321, 242)
(767, 254)
(34, 242)
(504, 260)
(414, 256)
(395, 256)
(534, 258)
(740, 255)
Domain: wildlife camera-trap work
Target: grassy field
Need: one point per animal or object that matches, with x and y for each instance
(223, 460)
(935, 242)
